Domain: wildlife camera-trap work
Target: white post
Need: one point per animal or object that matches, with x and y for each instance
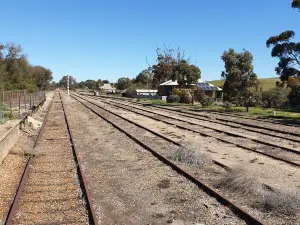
(68, 85)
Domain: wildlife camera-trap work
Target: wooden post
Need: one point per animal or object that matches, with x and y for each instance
(19, 104)
(25, 102)
(30, 106)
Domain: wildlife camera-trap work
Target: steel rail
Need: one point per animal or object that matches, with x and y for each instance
(207, 135)
(83, 184)
(240, 212)
(24, 178)
(288, 149)
(225, 114)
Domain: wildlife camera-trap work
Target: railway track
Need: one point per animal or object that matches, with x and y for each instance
(52, 189)
(259, 128)
(263, 148)
(269, 120)
(107, 116)
(232, 133)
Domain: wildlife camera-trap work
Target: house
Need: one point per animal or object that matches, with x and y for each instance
(107, 88)
(165, 88)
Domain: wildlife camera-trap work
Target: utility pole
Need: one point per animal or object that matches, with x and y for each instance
(68, 85)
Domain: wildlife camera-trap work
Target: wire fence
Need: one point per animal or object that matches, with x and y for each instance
(17, 102)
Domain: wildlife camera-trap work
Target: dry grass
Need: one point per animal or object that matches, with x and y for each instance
(261, 196)
(279, 203)
(192, 155)
(238, 180)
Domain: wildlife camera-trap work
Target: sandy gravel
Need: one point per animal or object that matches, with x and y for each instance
(262, 168)
(130, 186)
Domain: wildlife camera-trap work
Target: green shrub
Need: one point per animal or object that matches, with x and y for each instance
(130, 92)
(227, 106)
(275, 98)
(294, 97)
(199, 95)
(173, 98)
(207, 101)
(185, 97)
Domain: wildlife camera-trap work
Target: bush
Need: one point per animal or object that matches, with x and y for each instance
(173, 98)
(185, 97)
(275, 98)
(227, 106)
(4, 113)
(207, 101)
(130, 92)
(199, 95)
(294, 97)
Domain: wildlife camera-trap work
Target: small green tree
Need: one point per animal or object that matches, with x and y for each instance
(294, 97)
(239, 76)
(275, 97)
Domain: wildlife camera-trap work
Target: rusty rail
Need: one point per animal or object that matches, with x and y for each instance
(207, 135)
(15, 203)
(83, 183)
(240, 212)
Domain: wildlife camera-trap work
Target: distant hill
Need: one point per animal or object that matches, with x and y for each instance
(267, 83)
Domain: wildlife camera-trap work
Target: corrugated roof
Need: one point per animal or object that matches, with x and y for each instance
(203, 85)
(146, 90)
(107, 87)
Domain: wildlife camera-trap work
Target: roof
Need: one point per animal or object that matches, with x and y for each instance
(207, 86)
(169, 82)
(203, 85)
(146, 90)
(107, 87)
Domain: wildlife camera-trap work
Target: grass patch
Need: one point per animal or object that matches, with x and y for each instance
(191, 155)
(238, 180)
(260, 196)
(5, 114)
(279, 203)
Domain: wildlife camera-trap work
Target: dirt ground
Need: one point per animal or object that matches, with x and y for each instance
(261, 168)
(129, 185)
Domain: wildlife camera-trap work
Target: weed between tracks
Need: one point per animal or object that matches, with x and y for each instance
(274, 201)
(191, 155)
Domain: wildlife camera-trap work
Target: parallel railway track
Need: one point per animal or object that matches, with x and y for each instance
(290, 156)
(105, 115)
(52, 189)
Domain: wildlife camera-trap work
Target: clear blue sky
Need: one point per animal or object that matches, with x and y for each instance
(111, 39)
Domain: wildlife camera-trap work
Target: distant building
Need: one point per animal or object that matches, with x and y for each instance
(107, 88)
(165, 88)
(142, 93)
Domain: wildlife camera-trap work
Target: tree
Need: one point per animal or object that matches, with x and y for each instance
(144, 78)
(105, 82)
(287, 51)
(238, 75)
(16, 71)
(186, 74)
(296, 4)
(294, 97)
(172, 64)
(64, 81)
(123, 83)
(42, 76)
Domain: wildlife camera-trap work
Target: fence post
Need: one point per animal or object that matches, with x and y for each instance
(19, 104)
(25, 102)
(33, 100)
(30, 106)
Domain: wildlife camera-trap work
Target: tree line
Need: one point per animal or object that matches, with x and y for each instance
(16, 72)
(241, 84)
